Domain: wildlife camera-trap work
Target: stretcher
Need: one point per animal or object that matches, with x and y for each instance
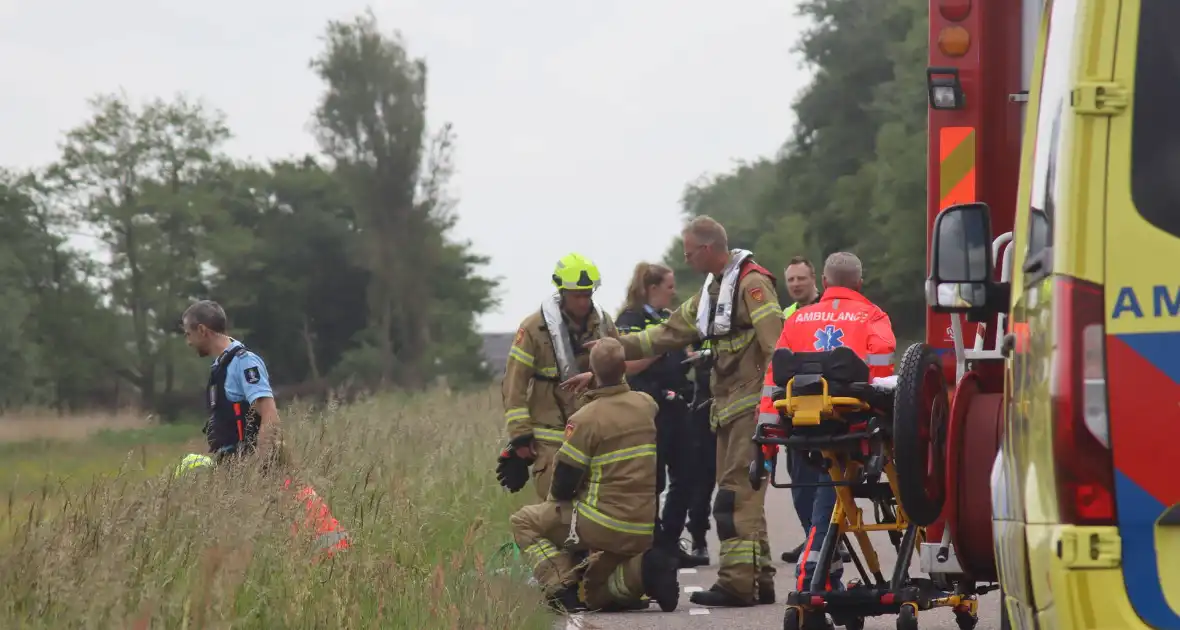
(883, 443)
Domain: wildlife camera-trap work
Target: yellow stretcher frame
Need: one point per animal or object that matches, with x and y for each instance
(848, 518)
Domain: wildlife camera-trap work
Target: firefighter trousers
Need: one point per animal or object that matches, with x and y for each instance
(740, 513)
(543, 465)
(608, 579)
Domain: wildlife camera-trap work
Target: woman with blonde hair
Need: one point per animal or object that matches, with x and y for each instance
(650, 295)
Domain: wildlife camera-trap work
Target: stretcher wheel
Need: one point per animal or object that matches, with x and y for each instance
(966, 621)
(796, 618)
(792, 620)
(920, 413)
(907, 617)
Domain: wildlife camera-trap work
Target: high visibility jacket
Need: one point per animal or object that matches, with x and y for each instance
(790, 310)
(841, 317)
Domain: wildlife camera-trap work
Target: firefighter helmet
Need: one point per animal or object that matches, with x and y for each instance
(575, 272)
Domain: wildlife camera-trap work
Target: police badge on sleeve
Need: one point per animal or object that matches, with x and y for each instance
(253, 375)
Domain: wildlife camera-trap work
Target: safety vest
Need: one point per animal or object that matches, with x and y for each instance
(227, 424)
(794, 307)
(559, 335)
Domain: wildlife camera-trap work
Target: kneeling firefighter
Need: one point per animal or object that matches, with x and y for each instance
(601, 503)
(548, 350)
(665, 379)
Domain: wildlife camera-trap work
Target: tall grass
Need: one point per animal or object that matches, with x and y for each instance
(409, 476)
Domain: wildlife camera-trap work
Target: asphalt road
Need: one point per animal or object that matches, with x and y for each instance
(785, 533)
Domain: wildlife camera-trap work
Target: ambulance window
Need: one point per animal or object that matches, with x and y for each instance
(1155, 136)
(1054, 101)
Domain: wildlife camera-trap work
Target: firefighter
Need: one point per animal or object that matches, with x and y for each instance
(547, 351)
(604, 480)
(841, 317)
(665, 378)
(243, 419)
(801, 287)
(737, 309)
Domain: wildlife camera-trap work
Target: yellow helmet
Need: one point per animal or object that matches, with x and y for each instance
(575, 272)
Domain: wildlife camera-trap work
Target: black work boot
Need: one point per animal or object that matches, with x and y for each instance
(792, 556)
(565, 600)
(659, 578)
(639, 604)
(718, 597)
(766, 593)
(700, 550)
(687, 559)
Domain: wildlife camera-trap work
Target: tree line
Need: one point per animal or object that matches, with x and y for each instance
(852, 176)
(338, 266)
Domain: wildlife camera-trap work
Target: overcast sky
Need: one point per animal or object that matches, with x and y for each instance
(579, 121)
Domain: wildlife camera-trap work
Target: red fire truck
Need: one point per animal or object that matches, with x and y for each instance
(980, 67)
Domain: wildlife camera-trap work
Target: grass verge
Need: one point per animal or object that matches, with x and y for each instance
(410, 476)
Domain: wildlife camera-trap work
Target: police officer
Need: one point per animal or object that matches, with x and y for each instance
(244, 421)
(739, 312)
(704, 451)
(841, 317)
(243, 417)
(601, 502)
(547, 351)
(665, 379)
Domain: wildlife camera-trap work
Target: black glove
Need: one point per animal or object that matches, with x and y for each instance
(512, 471)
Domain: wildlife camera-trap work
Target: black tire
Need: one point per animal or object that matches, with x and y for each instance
(791, 620)
(1005, 624)
(921, 413)
(965, 621)
(907, 618)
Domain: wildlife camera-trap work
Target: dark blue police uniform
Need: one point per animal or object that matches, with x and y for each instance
(666, 380)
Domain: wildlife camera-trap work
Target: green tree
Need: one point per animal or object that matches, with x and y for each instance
(134, 174)
(51, 316)
(852, 174)
(284, 269)
(371, 122)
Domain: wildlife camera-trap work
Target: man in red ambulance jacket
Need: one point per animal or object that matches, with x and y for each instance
(841, 317)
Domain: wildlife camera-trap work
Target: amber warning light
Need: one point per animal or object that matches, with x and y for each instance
(945, 90)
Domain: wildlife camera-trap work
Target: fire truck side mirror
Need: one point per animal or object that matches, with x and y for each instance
(961, 263)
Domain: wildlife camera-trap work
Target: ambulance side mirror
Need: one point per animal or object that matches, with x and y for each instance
(961, 263)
